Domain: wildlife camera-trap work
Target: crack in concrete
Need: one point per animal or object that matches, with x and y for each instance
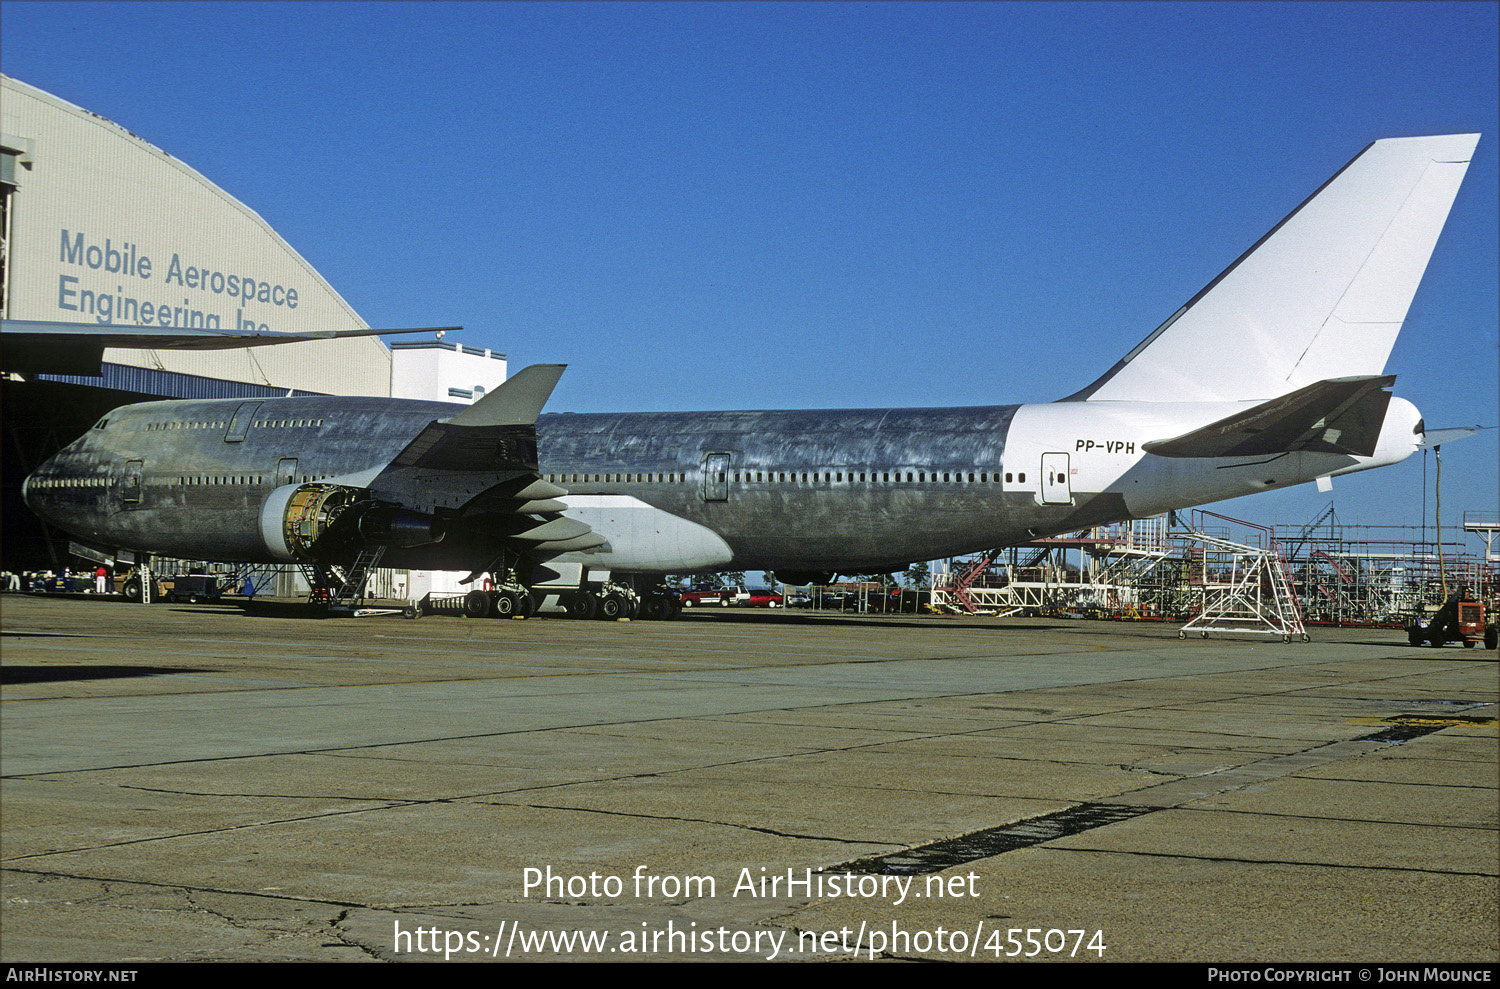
(694, 820)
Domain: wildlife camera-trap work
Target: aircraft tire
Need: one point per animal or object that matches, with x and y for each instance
(611, 608)
(633, 608)
(476, 604)
(526, 606)
(505, 605)
(584, 605)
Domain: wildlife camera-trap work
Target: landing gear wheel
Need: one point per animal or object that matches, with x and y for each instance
(633, 608)
(505, 604)
(656, 609)
(477, 604)
(611, 608)
(584, 605)
(525, 606)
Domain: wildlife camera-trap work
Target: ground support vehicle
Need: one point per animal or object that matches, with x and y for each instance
(1460, 619)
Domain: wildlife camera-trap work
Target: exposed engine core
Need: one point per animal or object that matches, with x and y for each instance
(304, 522)
(296, 518)
(312, 510)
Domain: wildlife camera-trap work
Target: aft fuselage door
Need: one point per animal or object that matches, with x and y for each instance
(716, 476)
(1057, 489)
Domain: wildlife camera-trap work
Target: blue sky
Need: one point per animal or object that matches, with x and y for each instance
(828, 205)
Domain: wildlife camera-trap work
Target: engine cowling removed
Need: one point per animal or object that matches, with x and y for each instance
(327, 522)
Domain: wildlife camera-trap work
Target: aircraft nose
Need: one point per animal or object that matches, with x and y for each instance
(34, 492)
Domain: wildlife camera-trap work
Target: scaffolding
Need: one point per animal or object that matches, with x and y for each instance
(1239, 586)
(1218, 573)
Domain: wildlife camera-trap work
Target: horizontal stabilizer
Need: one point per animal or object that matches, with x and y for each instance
(1436, 437)
(1341, 415)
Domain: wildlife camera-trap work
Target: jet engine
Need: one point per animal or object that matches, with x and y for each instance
(328, 522)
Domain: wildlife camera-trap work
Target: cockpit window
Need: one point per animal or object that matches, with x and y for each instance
(102, 423)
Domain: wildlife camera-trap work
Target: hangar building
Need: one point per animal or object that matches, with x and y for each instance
(100, 226)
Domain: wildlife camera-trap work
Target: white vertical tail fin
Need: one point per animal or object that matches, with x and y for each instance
(1321, 296)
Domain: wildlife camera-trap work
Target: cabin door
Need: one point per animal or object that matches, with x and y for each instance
(1057, 488)
(716, 476)
(130, 483)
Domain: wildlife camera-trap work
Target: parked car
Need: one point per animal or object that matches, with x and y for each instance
(762, 597)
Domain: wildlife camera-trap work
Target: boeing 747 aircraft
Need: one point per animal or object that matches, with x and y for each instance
(1272, 375)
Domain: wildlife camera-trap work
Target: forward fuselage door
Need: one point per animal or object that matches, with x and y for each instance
(130, 483)
(286, 470)
(716, 476)
(1057, 489)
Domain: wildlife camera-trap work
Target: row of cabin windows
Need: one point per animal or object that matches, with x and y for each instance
(251, 479)
(262, 424)
(672, 478)
(802, 477)
(188, 480)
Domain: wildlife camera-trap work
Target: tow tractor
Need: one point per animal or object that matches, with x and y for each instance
(1460, 619)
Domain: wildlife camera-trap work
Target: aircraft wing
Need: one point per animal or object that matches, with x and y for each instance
(1339, 415)
(38, 347)
(481, 465)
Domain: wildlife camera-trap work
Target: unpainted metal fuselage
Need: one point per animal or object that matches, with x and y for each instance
(1272, 375)
(845, 490)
